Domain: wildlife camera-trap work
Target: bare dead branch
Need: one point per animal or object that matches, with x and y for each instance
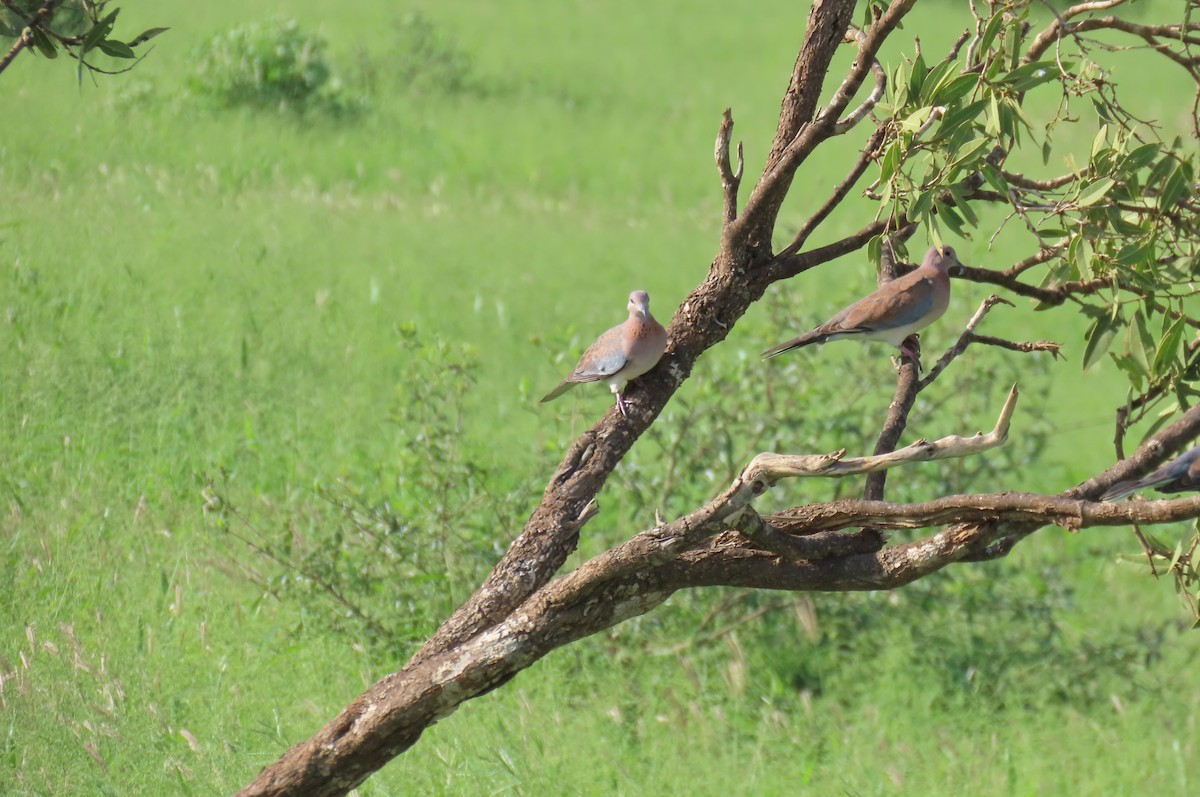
(730, 179)
(731, 560)
(1070, 513)
(666, 541)
(768, 468)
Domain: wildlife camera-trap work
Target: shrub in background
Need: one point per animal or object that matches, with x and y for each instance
(420, 60)
(274, 64)
(427, 60)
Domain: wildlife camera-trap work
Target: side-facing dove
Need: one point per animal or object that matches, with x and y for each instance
(1177, 476)
(621, 354)
(894, 311)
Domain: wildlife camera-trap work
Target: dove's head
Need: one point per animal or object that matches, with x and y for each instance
(942, 258)
(639, 303)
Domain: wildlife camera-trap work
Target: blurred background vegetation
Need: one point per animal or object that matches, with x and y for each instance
(278, 307)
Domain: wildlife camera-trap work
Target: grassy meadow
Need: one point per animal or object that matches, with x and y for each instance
(285, 308)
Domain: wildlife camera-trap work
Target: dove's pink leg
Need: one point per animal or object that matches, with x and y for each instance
(621, 403)
(910, 353)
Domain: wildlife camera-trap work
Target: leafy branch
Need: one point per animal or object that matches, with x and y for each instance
(36, 30)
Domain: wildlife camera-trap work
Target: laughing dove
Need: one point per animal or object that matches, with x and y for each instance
(622, 353)
(893, 312)
(1178, 475)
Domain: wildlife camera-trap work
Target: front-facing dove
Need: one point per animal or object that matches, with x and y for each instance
(621, 354)
(1177, 476)
(894, 311)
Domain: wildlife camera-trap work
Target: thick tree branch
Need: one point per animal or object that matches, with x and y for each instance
(391, 716)
(811, 547)
(766, 469)
(607, 589)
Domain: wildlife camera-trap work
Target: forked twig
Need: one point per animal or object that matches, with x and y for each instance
(730, 179)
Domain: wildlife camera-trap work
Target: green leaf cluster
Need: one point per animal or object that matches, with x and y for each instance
(1120, 222)
(80, 29)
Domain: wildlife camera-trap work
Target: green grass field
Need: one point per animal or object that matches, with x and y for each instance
(198, 293)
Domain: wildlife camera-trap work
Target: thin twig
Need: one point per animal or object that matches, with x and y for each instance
(788, 266)
(964, 340)
(1023, 346)
(977, 36)
(730, 179)
(956, 48)
(1043, 255)
(1028, 183)
(1060, 26)
(868, 154)
(858, 114)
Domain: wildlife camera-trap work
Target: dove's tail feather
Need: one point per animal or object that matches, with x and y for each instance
(566, 385)
(1120, 490)
(815, 336)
